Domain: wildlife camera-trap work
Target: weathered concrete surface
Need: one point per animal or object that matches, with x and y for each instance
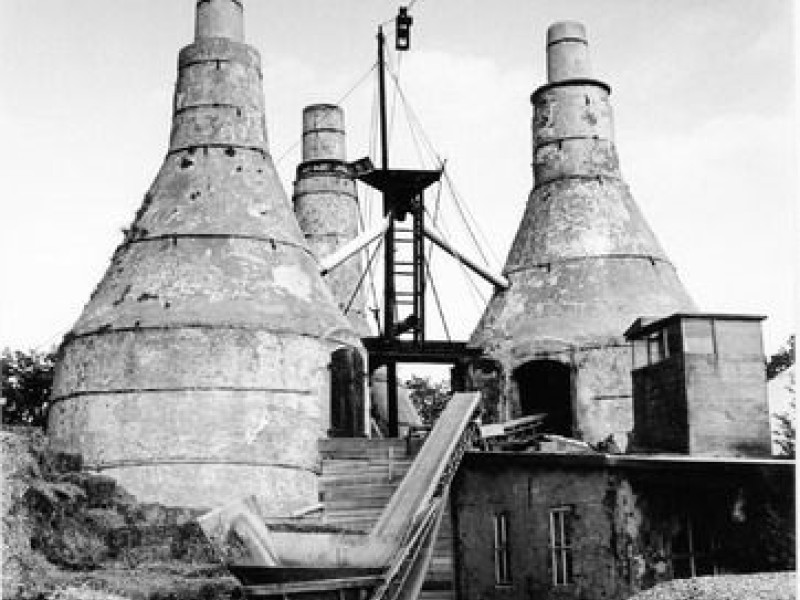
(220, 18)
(584, 263)
(727, 406)
(326, 206)
(728, 410)
(198, 370)
(324, 133)
(708, 397)
(567, 51)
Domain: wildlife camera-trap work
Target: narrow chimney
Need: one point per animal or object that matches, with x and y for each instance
(323, 133)
(219, 19)
(567, 52)
(326, 206)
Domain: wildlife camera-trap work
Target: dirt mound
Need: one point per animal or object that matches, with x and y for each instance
(70, 534)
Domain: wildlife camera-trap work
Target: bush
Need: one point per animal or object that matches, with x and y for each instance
(27, 381)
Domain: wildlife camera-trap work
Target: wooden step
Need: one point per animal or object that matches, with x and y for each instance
(365, 476)
(380, 489)
(331, 482)
(354, 525)
(441, 565)
(360, 442)
(353, 504)
(361, 448)
(435, 594)
(359, 468)
(361, 461)
(359, 477)
(352, 514)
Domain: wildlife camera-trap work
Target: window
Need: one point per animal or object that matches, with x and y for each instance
(639, 354)
(657, 348)
(693, 549)
(698, 336)
(738, 338)
(561, 545)
(502, 565)
(654, 348)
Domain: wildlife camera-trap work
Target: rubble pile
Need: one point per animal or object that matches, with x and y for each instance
(70, 534)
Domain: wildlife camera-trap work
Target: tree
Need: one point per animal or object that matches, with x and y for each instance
(27, 380)
(786, 428)
(429, 398)
(782, 359)
(785, 433)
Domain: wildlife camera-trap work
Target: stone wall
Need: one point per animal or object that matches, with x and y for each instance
(728, 409)
(660, 411)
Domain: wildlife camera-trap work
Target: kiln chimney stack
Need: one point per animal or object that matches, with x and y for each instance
(219, 19)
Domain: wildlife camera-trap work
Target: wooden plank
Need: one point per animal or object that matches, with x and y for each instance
(271, 589)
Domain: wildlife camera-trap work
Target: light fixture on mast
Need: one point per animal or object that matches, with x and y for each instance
(402, 38)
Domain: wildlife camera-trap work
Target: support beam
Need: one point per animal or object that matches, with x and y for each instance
(332, 261)
(496, 280)
(391, 399)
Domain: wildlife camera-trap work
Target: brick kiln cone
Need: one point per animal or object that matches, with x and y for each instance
(584, 263)
(198, 370)
(326, 206)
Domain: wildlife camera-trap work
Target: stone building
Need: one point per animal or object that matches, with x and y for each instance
(198, 370)
(701, 495)
(583, 265)
(593, 526)
(699, 386)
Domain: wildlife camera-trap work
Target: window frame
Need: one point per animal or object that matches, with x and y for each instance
(501, 550)
(690, 338)
(691, 555)
(560, 545)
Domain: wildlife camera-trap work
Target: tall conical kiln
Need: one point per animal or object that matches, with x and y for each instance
(583, 266)
(198, 370)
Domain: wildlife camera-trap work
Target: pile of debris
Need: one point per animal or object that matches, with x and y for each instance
(70, 534)
(526, 435)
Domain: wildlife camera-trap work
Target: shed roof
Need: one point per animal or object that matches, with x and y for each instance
(646, 325)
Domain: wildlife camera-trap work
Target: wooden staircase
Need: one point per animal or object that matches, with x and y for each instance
(359, 476)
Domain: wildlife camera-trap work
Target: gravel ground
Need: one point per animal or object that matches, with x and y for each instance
(758, 586)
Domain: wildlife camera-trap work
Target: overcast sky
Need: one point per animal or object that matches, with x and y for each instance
(703, 93)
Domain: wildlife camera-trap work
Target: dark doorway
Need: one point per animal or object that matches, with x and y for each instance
(347, 394)
(545, 387)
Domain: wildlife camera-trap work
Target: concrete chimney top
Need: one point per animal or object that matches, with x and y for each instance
(323, 132)
(220, 19)
(567, 52)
